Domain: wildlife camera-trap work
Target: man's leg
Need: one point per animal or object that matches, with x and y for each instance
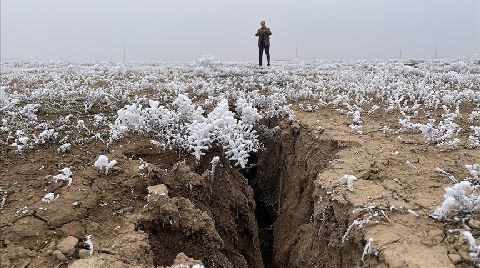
(260, 54)
(267, 51)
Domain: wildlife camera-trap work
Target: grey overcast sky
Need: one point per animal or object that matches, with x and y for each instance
(96, 30)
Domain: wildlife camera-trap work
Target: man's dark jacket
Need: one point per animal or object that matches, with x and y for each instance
(264, 35)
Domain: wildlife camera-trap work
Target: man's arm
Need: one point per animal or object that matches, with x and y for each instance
(258, 32)
(269, 32)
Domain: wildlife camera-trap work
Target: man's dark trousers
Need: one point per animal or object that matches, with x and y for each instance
(261, 47)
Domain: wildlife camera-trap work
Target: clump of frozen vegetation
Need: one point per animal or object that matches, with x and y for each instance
(474, 139)
(64, 148)
(359, 223)
(103, 163)
(348, 179)
(214, 163)
(444, 134)
(3, 98)
(474, 172)
(368, 250)
(473, 248)
(206, 61)
(89, 242)
(185, 126)
(356, 126)
(459, 199)
(65, 175)
(49, 198)
(450, 176)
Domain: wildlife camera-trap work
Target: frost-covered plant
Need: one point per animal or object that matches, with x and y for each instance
(309, 108)
(359, 223)
(474, 172)
(368, 250)
(474, 139)
(386, 130)
(373, 109)
(460, 198)
(98, 120)
(103, 163)
(3, 98)
(237, 139)
(474, 249)
(443, 134)
(185, 127)
(4, 198)
(64, 148)
(66, 176)
(81, 125)
(348, 179)
(49, 197)
(355, 112)
(89, 242)
(21, 142)
(474, 115)
(450, 176)
(206, 61)
(248, 114)
(214, 163)
(44, 136)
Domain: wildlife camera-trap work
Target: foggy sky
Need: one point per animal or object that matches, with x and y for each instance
(96, 30)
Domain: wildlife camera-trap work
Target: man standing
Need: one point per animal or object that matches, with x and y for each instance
(263, 42)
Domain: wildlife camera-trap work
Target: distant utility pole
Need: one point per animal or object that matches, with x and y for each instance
(436, 51)
(296, 52)
(123, 53)
(400, 54)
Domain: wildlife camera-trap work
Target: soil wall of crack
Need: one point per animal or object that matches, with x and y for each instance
(208, 215)
(283, 181)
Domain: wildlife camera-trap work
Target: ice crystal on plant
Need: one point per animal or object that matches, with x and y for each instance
(458, 198)
(103, 163)
(66, 176)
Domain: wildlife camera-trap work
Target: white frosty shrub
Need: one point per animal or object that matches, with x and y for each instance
(236, 138)
(89, 242)
(21, 141)
(348, 179)
(66, 176)
(214, 163)
(474, 139)
(474, 172)
(248, 114)
(3, 98)
(459, 198)
(98, 120)
(64, 148)
(368, 250)
(450, 176)
(49, 197)
(185, 127)
(443, 134)
(81, 125)
(44, 136)
(103, 163)
(359, 223)
(206, 61)
(474, 115)
(473, 248)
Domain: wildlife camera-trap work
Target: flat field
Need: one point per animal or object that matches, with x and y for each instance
(305, 164)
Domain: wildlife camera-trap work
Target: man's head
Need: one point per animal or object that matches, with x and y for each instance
(262, 23)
